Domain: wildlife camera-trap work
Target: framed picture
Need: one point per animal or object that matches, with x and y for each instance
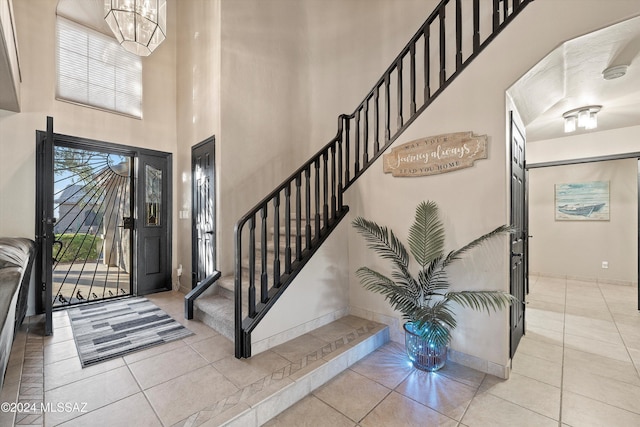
(582, 201)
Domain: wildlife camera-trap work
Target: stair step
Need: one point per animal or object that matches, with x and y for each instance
(341, 344)
(217, 312)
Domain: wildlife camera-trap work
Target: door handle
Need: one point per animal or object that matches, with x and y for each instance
(209, 232)
(127, 223)
(513, 254)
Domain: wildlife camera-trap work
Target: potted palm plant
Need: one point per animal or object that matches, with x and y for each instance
(424, 299)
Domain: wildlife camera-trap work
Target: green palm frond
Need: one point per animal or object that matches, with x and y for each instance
(401, 296)
(386, 244)
(426, 234)
(457, 254)
(433, 278)
(424, 299)
(482, 300)
(436, 322)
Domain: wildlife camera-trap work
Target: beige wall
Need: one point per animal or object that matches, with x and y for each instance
(284, 78)
(262, 106)
(197, 110)
(289, 68)
(594, 144)
(473, 200)
(35, 27)
(577, 248)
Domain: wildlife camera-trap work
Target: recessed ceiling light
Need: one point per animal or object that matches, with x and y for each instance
(614, 72)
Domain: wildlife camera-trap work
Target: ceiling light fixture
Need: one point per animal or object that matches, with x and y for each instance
(584, 117)
(139, 25)
(614, 72)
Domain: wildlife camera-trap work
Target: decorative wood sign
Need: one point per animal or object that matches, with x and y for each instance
(436, 154)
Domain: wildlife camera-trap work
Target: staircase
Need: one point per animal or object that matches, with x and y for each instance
(215, 307)
(275, 239)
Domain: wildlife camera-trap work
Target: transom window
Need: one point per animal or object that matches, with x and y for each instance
(94, 70)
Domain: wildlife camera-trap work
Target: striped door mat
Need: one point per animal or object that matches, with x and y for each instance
(112, 329)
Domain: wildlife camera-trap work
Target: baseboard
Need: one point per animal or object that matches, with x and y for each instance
(396, 333)
(603, 280)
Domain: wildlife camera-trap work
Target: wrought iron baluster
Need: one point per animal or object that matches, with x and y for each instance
(317, 199)
(307, 175)
(340, 184)
(333, 181)
(412, 79)
(458, 35)
(347, 131)
(427, 64)
(276, 241)
(264, 277)
(476, 26)
(252, 254)
(376, 120)
(399, 70)
(365, 133)
(287, 228)
(443, 48)
(496, 15)
(298, 217)
(357, 144)
(325, 189)
(387, 109)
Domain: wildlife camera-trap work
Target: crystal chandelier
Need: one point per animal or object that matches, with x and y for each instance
(139, 25)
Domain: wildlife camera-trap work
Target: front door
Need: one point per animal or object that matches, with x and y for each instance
(103, 223)
(153, 224)
(519, 235)
(203, 239)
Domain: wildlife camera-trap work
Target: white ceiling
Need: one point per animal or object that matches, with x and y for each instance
(571, 77)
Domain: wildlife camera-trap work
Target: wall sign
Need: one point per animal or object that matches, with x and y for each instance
(436, 154)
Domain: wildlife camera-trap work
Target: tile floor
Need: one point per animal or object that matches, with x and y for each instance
(577, 366)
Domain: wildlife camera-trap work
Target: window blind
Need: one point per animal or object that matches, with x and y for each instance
(95, 70)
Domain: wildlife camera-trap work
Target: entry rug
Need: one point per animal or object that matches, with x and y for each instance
(114, 328)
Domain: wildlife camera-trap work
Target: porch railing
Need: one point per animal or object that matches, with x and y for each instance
(275, 239)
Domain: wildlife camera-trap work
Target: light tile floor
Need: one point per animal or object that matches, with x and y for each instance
(577, 366)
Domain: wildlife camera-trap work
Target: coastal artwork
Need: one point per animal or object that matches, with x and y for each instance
(583, 201)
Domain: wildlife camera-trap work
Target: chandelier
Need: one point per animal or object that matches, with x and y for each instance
(139, 25)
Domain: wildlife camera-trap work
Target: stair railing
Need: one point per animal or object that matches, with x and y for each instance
(275, 239)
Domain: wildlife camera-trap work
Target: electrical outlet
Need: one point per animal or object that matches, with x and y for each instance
(179, 270)
(605, 264)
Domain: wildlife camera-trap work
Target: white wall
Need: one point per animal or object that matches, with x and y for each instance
(35, 27)
(576, 249)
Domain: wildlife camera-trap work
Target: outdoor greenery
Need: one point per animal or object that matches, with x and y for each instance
(77, 246)
(424, 299)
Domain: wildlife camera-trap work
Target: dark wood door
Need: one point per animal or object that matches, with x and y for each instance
(519, 236)
(152, 224)
(203, 211)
